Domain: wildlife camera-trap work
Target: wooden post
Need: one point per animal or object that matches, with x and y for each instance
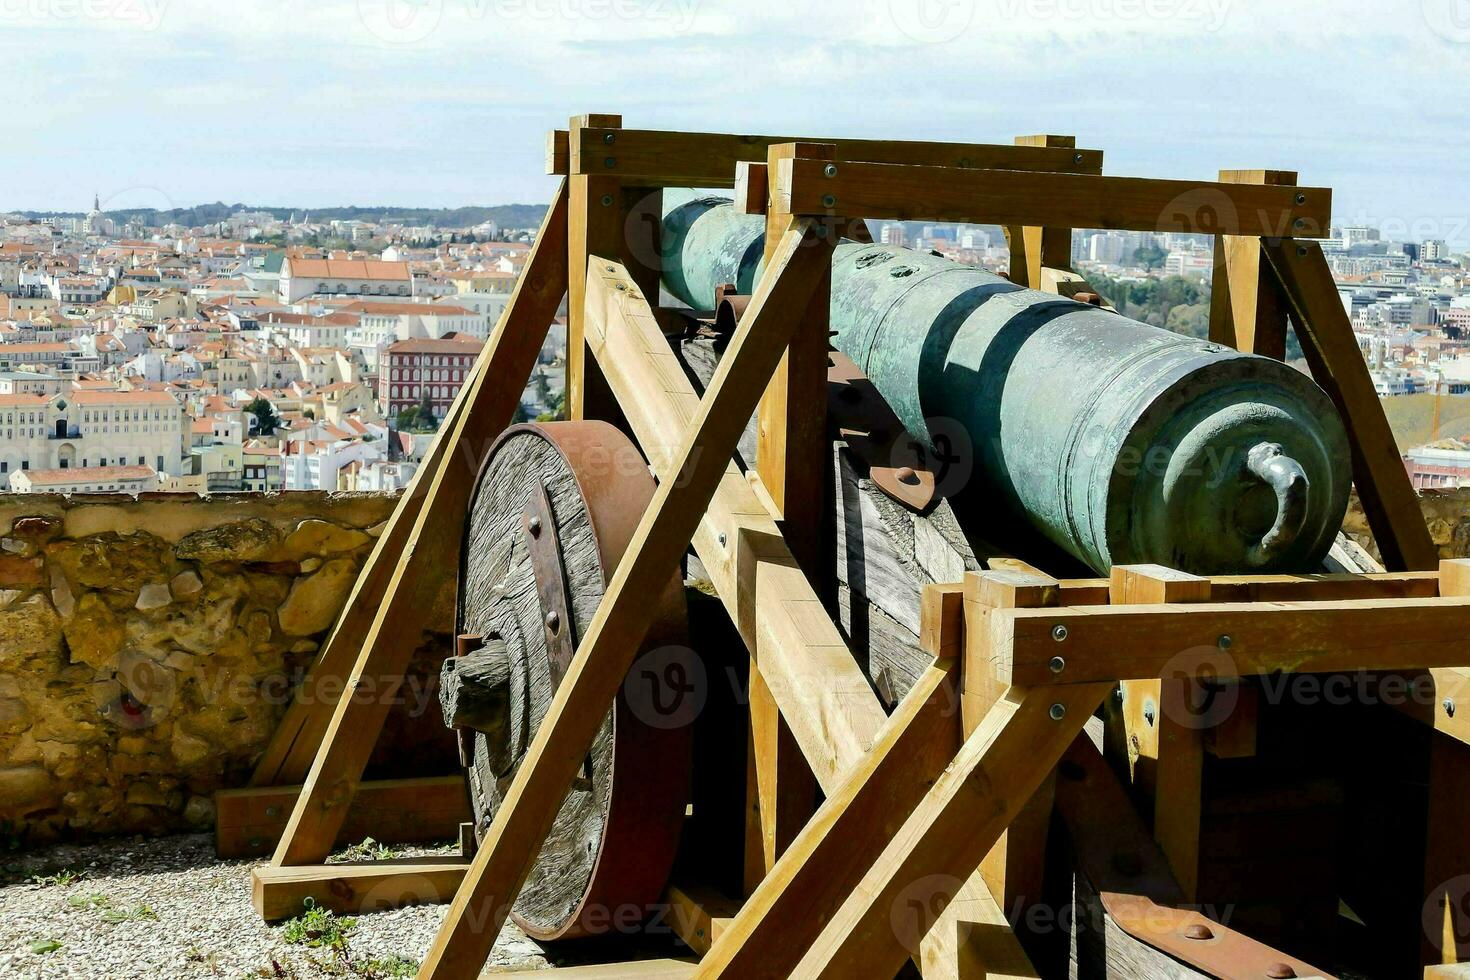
(1326, 336)
(611, 639)
(1247, 310)
(398, 621)
(790, 454)
(1033, 248)
(1154, 713)
(596, 228)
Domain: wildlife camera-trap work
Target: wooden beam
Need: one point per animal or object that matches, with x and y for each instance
(612, 638)
(825, 698)
(1033, 247)
(1167, 740)
(784, 915)
(1009, 197)
(1127, 642)
(595, 227)
(1247, 310)
(350, 889)
(248, 822)
(558, 153)
(399, 620)
(699, 915)
(883, 920)
(1326, 335)
(709, 159)
(790, 453)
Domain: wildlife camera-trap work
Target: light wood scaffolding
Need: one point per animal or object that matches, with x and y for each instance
(933, 826)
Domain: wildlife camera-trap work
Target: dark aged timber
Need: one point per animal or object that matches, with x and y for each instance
(1120, 442)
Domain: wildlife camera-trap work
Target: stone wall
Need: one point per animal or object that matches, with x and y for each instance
(1446, 512)
(148, 647)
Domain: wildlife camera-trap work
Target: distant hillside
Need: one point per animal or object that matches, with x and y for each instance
(1412, 418)
(505, 215)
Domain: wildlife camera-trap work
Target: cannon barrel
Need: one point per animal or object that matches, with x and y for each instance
(1120, 442)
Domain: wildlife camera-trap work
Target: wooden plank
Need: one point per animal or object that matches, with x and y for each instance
(1126, 642)
(1326, 336)
(1178, 747)
(612, 638)
(1010, 197)
(558, 153)
(790, 450)
(399, 620)
(595, 227)
(1247, 310)
(699, 915)
(824, 697)
(1033, 247)
(996, 770)
(709, 159)
(248, 822)
(1281, 588)
(350, 889)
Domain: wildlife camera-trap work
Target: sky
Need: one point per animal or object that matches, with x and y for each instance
(443, 103)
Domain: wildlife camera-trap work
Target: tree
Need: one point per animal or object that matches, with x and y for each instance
(309, 413)
(1150, 256)
(266, 419)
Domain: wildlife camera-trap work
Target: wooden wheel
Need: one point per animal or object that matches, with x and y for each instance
(551, 512)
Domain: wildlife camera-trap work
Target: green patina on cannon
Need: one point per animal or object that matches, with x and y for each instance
(1120, 442)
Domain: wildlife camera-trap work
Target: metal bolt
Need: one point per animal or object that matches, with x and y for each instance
(620, 286)
(1449, 707)
(907, 475)
(609, 137)
(535, 526)
(830, 170)
(553, 621)
(1059, 632)
(722, 539)
(272, 811)
(1224, 641)
(1076, 158)
(1056, 665)
(1301, 199)
(1280, 971)
(1301, 250)
(1058, 712)
(607, 200)
(1150, 712)
(829, 200)
(609, 162)
(1299, 223)
(1198, 931)
(1118, 693)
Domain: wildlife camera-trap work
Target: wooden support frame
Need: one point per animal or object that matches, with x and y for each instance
(1247, 310)
(1030, 710)
(1035, 248)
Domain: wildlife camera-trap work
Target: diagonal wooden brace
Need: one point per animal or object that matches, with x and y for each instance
(607, 648)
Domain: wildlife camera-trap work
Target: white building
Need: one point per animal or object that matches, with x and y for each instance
(89, 479)
(82, 429)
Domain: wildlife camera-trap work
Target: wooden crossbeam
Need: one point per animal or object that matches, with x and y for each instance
(399, 619)
(1327, 340)
(348, 889)
(709, 159)
(883, 920)
(1033, 247)
(248, 822)
(612, 638)
(1280, 588)
(1010, 197)
(1126, 642)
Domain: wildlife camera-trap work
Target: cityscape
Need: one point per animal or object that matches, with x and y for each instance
(265, 352)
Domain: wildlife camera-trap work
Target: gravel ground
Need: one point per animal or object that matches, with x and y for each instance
(165, 908)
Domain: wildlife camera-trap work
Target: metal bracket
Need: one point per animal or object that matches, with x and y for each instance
(864, 421)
